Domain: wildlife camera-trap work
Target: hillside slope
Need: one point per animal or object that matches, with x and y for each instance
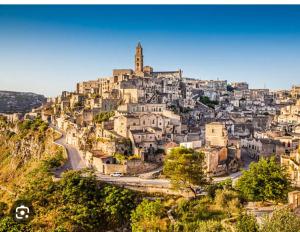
(76, 202)
(19, 102)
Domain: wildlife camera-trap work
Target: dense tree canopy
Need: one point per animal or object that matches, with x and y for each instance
(185, 168)
(149, 216)
(84, 203)
(265, 180)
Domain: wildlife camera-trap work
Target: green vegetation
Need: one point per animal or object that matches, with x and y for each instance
(191, 212)
(198, 214)
(246, 223)
(282, 220)
(120, 157)
(103, 116)
(149, 216)
(206, 101)
(34, 125)
(55, 161)
(185, 168)
(265, 180)
(78, 202)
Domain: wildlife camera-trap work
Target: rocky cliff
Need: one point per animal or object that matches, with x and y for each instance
(23, 146)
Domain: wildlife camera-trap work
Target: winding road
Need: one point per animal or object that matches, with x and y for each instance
(74, 161)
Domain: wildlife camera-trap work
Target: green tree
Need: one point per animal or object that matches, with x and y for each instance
(103, 116)
(282, 220)
(246, 223)
(149, 216)
(265, 180)
(185, 168)
(118, 204)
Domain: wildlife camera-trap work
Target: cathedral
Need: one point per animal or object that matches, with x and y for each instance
(147, 71)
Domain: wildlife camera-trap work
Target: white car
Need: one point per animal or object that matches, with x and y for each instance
(116, 174)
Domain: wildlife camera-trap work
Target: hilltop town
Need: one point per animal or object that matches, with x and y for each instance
(129, 121)
(160, 132)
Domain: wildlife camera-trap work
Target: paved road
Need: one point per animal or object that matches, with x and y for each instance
(74, 161)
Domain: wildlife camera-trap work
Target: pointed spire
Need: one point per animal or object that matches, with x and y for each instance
(139, 45)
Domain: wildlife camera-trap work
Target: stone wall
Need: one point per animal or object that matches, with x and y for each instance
(156, 189)
(111, 168)
(138, 166)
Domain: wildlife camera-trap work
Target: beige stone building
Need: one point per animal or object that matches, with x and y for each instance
(295, 92)
(292, 164)
(141, 108)
(290, 114)
(216, 134)
(215, 160)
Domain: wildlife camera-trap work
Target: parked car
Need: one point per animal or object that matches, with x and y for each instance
(116, 174)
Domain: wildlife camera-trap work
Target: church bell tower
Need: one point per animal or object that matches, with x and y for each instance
(139, 58)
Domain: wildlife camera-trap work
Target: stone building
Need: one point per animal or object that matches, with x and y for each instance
(139, 59)
(215, 160)
(290, 114)
(216, 134)
(295, 92)
(257, 148)
(240, 86)
(292, 164)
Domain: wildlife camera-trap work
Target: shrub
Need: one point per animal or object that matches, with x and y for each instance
(246, 223)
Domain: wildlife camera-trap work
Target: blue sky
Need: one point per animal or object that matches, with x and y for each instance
(47, 49)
